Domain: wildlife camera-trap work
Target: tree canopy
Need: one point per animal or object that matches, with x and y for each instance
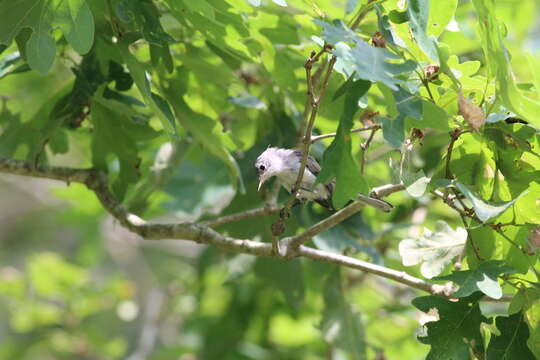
(132, 226)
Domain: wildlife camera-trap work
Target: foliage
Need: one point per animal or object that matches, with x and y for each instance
(173, 100)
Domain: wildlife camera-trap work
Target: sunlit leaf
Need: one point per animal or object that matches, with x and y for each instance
(499, 64)
(483, 278)
(416, 183)
(440, 14)
(371, 63)
(484, 210)
(434, 250)
(418, 12)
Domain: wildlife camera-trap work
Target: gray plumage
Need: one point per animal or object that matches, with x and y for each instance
(284, 164)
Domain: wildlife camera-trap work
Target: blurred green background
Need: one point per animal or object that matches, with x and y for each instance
(74, 284)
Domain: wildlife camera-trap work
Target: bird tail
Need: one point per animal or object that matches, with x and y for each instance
(376, 203)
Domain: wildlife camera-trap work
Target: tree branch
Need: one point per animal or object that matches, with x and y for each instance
(97, 182)
(386, 190)
(365, 146)
(289, 245)
(325, 136)
(266, 210)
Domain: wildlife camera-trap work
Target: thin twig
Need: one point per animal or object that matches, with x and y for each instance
(266, 210)
(363, 12)
(507, 238)
(294, 241)
(290, 244)
(326, 136)
(449, 200)
(385, 190)
(454, 136)
(364, 147)
(278, 227)
(97, 182)
(307, 107)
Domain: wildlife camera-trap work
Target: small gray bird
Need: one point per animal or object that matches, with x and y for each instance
(285, 164)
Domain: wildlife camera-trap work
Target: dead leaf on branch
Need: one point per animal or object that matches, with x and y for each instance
(472, 113)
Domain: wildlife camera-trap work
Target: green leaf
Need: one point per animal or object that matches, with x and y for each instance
(347, 237)
(398, 17)
(371, 63)
(418, 11)
(111, 138)
(457, 332)
(416, 183)
(527, 206)
(527, 300)
(408, 104)
(433, 117)
(393, 130)
(386, 28)
(287, 276)
(207, 131)
(496, 56)
(156, 103)
(340, 325)
(524, 300)
(40, 52)
(205, 185)
(434, 250)
(17, 15)
(484, 210)
(337, 160)
(73, 17)
(77, 23)
(336, 32)
(440, 14)
(350, 5)
(482, 278)
(512, 341)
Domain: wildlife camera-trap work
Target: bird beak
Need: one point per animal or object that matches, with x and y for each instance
(261, 181)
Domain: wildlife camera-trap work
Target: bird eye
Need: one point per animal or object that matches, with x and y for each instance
(262, 167)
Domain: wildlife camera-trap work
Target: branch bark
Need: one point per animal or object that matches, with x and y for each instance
(325, 136)
(266, 210)
(96, 181)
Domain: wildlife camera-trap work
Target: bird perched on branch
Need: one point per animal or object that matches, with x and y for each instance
(285, 165)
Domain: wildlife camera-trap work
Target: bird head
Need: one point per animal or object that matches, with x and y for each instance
(268, 164)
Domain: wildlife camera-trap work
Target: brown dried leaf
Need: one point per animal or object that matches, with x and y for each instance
(473, 114)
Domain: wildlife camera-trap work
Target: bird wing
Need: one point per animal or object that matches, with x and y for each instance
(311, 164)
